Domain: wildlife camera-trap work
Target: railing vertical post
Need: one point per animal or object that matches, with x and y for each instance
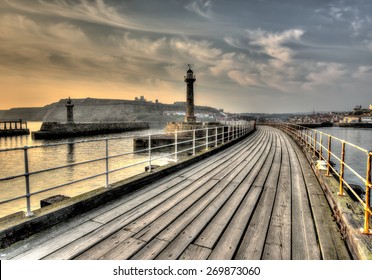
(223, 135)
(107, 163)
(29, 213)
(366, 229)
(307, 138)
(315, 136)
(320, 145)
(193, 142)
(342, 167)
(228, 133)
(216, 137)
(176, 146)
(206, 138)
(329, 155)
(149, 153)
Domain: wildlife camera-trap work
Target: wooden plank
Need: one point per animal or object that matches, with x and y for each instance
(103, 247)
(180, 236)
(227, 244)
(54, 244)
(155, 193)
(79, 246)
(153, 228)
(195, 252)
(156, 224)
(151, 250)
(124, 250)
(215, 228)
(278, 240)
(330, 240)
(182, 240)
(254, 238)
(304, 241)
(235, 153)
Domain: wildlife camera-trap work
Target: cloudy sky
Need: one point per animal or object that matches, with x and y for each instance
(248, 56)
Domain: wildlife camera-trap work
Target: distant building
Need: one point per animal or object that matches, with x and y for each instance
(351, 119)
(366, 119)
(357, 108)
(370, 106)
(141, 99)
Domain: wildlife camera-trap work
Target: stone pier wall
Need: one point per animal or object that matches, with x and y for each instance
(58, 130)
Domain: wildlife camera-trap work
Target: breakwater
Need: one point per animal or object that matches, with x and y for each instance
(53, 130)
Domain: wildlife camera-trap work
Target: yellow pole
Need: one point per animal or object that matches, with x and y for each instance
(329, 155)
(314, 154)
(320, 145)
(342, 167)
(368, 196)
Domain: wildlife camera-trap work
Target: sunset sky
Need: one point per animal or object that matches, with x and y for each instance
(248, 56)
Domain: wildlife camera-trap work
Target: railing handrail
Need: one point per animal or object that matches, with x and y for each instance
(302, 133)
(220, 134)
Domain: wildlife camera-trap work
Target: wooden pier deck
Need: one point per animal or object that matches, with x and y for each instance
(256, 200)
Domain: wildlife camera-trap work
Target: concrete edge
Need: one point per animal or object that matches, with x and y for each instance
(348, 214)
(15, 227)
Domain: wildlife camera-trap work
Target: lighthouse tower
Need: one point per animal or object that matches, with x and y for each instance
(70, 110)
(189, 80)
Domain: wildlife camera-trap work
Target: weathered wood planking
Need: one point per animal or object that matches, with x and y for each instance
(215, 228)
(278, 240)
(230, 239)
(332, 246)
(254, 239)
(304, 239)
(195, 252)
(254, 200)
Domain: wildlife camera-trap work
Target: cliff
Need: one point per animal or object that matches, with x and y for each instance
(27, 114)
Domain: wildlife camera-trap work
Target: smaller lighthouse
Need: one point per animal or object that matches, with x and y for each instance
(70, 110)
(189, 80)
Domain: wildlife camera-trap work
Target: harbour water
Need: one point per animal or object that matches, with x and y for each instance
(12, 164)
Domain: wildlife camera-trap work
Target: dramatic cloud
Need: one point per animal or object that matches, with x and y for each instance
(248, 55)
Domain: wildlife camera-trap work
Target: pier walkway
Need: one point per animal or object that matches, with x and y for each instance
(258, 199)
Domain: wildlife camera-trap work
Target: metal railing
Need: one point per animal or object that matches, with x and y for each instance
(195, 140)
(313, 141)
(13, 124)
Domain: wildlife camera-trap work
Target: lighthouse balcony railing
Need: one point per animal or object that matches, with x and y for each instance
(198, 140)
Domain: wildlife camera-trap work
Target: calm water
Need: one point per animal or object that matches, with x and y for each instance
(12, 163)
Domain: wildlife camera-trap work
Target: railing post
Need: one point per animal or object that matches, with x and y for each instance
(29, 213)
(367, 209)
(342, 167)
(320, 146)
(307, 139)
(315, 136)
(228, 133)
(206, 138)
(107, 164)
(193, 142)
(329, 155)
(216, 137)
(175, 146)
(223, 135)
(149, 153)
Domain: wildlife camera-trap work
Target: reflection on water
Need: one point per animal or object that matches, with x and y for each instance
(12, 164)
